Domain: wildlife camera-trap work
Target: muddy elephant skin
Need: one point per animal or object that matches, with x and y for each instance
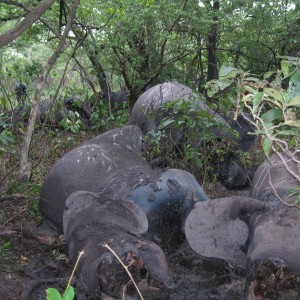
(275, 235)
(90, 223)
(110, 165)
(104, 192)
(277, 232)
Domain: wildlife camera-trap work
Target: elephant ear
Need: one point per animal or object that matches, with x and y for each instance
(88, 209)
(214, 228)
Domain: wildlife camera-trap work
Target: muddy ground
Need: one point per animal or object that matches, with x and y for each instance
(31, 261)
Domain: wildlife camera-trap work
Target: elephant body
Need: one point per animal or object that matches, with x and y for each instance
(263, 230)
(103, 191)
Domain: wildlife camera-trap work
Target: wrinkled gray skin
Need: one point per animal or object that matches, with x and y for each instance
(110, 164)
(281, 180)
(277, 232)
(147, 113)
(110, 167)
(75, 105)
(275, 235)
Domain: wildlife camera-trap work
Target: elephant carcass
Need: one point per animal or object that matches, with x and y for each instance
(111, 167)
(277, 232)
(53, 113)
(275, 241)
(148, 112)
(272, 181)
(150, 109)
(265, 229)
(91, 223)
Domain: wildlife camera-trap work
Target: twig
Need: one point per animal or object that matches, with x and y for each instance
(278, 197)
(125, 267)
(296, 176)
(73, 271)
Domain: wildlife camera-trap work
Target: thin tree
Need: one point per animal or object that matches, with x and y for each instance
(25, 169)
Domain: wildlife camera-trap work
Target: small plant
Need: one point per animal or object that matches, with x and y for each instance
(103, 118)
(4, 246)
(72, 122)
(189, 137)
(69, 294)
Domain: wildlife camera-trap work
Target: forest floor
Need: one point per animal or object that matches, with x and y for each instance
(31, 261)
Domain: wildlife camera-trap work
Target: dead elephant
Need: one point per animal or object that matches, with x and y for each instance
(273, 249)
(262, 234)
(52, 113)
(152, 108)
(103, 192)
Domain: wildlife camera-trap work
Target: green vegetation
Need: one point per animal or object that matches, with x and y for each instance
(273, 102)
(177, 139)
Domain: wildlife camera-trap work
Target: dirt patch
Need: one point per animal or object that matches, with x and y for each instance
(29, 266)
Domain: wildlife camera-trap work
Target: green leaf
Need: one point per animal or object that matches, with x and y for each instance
(267, 144)
(229, 72)
(69, 293)
(203, 114)
(53, 294)
(254, 79)
(269, 74)
(292, 123)
(297, 201)
(285, 67)
(272, 115)
(288, 133)
(250, 89)
(294, 86)
(258, 98)
(164, 123)
(275, 94)
(214, 86)
(248, 98)
(294, 101)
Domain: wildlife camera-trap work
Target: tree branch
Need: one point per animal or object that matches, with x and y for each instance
(32, 17)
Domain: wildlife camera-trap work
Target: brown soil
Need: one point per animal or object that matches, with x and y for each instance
(29, 266)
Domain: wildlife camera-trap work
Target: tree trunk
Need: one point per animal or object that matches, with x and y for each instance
(25, 169)
(93, 56)
(212, 70)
